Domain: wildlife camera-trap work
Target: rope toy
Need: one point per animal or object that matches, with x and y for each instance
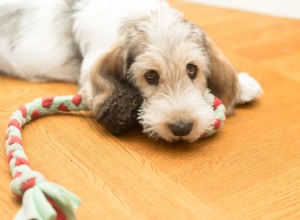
(46, 200)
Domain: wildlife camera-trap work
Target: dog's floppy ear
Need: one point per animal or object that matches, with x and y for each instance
(106, 76)
(222, 80)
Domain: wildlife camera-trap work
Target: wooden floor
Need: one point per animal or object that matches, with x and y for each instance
(250, 170)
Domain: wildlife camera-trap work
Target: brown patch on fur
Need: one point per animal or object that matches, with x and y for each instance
(223, 81)
(104, 77)
(113, 67)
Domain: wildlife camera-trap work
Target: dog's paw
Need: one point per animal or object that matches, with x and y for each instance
(250, 89)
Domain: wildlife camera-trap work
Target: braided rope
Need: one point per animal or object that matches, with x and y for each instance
(42, 199)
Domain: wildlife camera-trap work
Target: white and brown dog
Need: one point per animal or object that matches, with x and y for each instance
(97, 43)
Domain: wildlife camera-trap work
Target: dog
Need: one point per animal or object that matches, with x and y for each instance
(98, 43)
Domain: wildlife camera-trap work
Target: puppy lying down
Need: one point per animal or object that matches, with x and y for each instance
(106, 45)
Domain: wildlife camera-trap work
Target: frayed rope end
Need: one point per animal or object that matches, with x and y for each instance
(48, 201)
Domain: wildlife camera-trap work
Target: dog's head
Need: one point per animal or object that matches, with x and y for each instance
(172, 63)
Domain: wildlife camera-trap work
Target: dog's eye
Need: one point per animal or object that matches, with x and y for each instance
(152, 77)
(192, 71)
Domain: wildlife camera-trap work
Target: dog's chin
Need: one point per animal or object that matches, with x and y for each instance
(188, 138)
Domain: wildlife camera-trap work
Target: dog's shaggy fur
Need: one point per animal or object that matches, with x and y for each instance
(98, 43)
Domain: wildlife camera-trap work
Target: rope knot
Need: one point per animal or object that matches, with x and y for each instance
(24, 179)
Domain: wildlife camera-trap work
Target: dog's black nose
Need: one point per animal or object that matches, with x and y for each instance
(181, 128)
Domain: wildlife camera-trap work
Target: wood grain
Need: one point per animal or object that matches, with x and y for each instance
(250, 170)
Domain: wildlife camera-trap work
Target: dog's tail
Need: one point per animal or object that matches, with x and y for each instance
(249, 88)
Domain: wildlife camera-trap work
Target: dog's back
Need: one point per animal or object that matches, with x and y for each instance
(36, 40)
(47, 40)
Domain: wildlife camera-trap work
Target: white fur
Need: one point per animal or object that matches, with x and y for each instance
(37, 45)
(249, 88)
(176, 97)
(63, 39)
(50, 32)
(177, 102)
(100, 19)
